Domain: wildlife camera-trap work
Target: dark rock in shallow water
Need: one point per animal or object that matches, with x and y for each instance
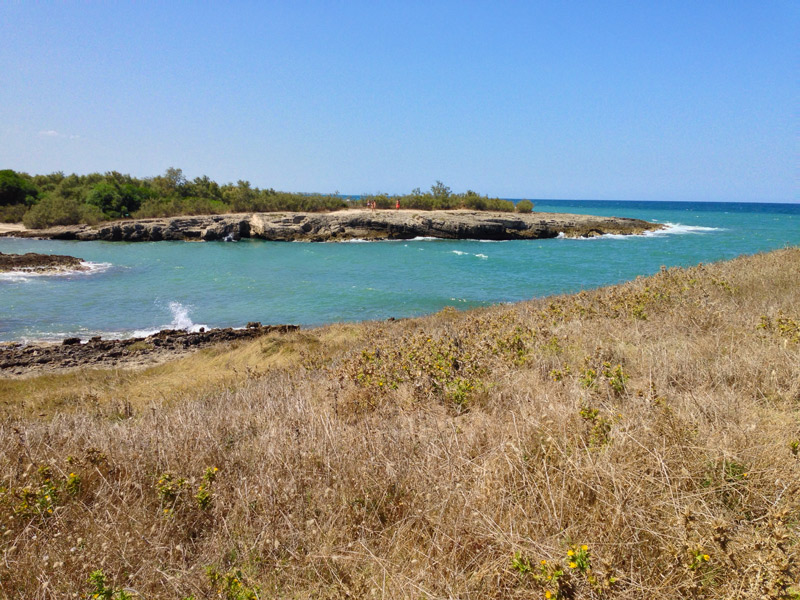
(39, 263)
(19, 359)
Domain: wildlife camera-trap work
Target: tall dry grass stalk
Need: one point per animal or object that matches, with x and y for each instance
(636, 441)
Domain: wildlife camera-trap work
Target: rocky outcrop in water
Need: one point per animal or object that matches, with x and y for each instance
(39, 263)
(20, 359)
(351, 224)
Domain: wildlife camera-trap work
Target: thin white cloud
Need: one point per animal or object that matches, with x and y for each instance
(52, 133)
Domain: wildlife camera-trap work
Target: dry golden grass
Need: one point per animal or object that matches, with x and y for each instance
(184, 378)
(651, 429)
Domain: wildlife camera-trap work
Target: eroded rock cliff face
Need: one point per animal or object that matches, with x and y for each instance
(351, 224)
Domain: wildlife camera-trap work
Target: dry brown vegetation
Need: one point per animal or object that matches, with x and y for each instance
(636, 441)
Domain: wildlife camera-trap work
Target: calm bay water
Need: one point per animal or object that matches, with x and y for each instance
(135, 288)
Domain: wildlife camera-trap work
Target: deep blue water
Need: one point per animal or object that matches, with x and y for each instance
(140, 287)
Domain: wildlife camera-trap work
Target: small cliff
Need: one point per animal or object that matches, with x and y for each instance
(350, 224)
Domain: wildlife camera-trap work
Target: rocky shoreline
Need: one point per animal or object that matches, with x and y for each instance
(18, 359)
(348, 225)
(39, 263)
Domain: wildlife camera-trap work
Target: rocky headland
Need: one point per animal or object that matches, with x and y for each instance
(39, 263)
(349, 224)
(20, 359)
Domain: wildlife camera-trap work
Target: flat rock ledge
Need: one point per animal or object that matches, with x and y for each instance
(19, 360)
(350, 224)
(39, 263)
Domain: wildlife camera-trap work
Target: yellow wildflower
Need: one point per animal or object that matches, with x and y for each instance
(570, 553)
(584, 547)
(547, 594)
(706, 557)
(573, 564)
(544, 562)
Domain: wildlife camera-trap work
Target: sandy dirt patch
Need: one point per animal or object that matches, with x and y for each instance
(11, 227)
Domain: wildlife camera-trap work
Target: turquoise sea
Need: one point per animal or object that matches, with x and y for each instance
(137, 288)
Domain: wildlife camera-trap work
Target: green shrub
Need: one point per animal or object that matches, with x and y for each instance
(57, 210)
(156, 207)
(175, 206)
(107, 198)
(117, 201)
(524, 206)
(12, 213)
(15, 189)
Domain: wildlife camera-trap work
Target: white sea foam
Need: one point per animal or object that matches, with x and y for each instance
(609, 236)
(462, 253)
(420, 238)
(89, 268)
(678, 228)
(180, 316)
(180, 320)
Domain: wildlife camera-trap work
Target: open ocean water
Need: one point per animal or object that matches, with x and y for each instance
(137, 288)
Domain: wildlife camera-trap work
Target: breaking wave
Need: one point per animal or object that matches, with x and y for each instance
(669, 229)
(180, 320)
(89, 268)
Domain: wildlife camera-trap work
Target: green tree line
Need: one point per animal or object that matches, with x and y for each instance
(41, 201)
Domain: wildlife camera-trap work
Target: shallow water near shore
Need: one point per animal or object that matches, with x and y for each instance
(137, 288)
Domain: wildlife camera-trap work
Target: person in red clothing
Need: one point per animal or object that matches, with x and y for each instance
(397, 205)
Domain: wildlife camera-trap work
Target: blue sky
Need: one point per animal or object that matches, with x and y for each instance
(605, 100)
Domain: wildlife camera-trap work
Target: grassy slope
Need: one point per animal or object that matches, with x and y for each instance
(441, 457)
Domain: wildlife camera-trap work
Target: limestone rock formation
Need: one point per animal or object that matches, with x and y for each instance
(351, 224)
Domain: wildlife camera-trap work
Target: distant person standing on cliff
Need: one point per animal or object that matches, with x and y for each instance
(397, 204)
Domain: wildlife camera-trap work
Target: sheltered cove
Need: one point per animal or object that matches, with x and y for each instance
(18, 359)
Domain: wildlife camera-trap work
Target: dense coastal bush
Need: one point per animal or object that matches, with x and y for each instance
(440, 197)
(46, 200)
(57, 210)
(524, 206)
(16, 194)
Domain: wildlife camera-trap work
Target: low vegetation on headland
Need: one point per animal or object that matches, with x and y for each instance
(636, 441)
(41, 201)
